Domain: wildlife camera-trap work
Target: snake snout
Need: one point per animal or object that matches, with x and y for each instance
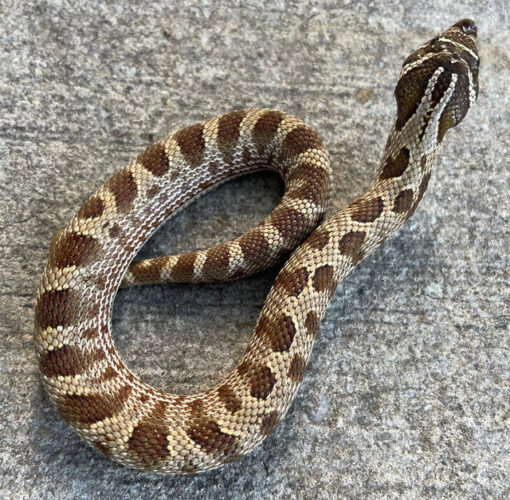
(468, 26)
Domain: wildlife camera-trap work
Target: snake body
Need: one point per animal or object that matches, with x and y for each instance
(135, 424)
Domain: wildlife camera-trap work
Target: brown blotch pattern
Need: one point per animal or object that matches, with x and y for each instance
(306, 171)
(314, 181)
(293, 282)
(278, 332)
(403, 201)
(206, 432)
(154, 159)
(184, 267)
(90, 408)
(57, 308)
(367, 210)
(228, 133)
(395, 167)
(228, 398)
(314, 194)
(262, 381)
(312, 323)
(216, 262)
(123, 187)
(351, 244)
(299, 140)
(262, 328)
(149, 438)
(74, 249)
(192, 143)
(92, 208)
(323, 278)
(151, 270)
(255, 247)
(318, 239)
(297, 368)
(286, 219)
(66, 361)
(265, 129)
(149, 442)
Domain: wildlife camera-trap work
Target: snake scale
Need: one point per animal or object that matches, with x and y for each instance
(137, 425)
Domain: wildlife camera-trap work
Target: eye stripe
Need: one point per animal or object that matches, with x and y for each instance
(413, 64)
(460, 46)
(418, 62)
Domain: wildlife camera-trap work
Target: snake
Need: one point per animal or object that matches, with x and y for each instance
(137, 425)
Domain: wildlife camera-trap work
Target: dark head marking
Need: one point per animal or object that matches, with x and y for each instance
(450, 59)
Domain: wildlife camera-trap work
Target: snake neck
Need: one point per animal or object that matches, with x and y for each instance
(412, 144)
(401, 181)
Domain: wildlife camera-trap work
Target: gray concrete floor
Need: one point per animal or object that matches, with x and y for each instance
(407, 393)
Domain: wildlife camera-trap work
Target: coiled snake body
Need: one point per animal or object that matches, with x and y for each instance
(137, 425)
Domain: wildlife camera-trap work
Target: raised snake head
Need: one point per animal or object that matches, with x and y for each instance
(444, 73)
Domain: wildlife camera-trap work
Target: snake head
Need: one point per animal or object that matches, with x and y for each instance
(442, 75)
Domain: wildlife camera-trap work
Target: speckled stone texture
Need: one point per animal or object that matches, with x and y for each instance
(407, 393)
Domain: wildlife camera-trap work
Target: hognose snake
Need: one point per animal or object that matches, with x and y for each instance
(133, 423)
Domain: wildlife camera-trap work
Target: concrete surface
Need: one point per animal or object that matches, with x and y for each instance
(408, 391)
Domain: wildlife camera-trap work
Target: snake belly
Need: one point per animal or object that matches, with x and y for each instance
(140, 426)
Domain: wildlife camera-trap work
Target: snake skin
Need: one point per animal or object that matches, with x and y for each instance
(137, 425)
